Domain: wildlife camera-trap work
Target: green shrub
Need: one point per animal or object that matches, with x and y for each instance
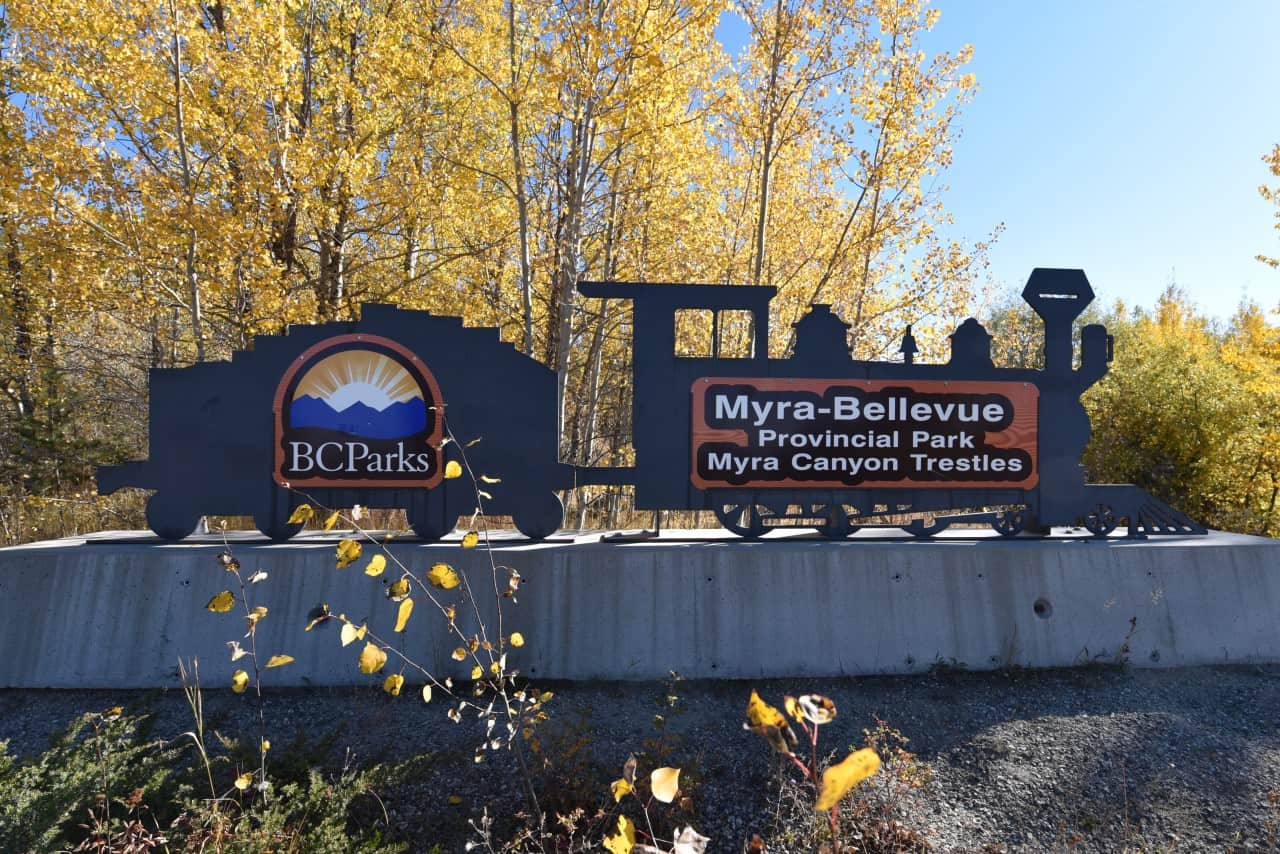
(94, 766)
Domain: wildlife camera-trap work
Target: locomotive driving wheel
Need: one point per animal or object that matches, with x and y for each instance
(836, 521)
(926, 526)
(428, 523)
(541, 518)
(1010, 523)
(743, 519)
(273, 519)
(1101, 520)
(170, 518)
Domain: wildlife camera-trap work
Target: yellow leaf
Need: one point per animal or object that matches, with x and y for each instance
(443, 576)
(301, 515)
(817, 708)
(331, 521)
(322, 614)
(624, 840)
(265, 745)
(254, 616)
(351, 633)
(469, 539)
(455, 800)
(620, 789)
(393, 684)
(377, 563)
(460, 653)
(476, 673)
(239, 681)
(244, 781)
(517, 639)
(398, 589)
(426, 693)
(760, 713)
(665, 784)
(348, 552)
(767, 722)
(793, 708)
(839, 779)
(372, 657)
(279, 660)
(452, 470)
(222, 603)
(406, 608)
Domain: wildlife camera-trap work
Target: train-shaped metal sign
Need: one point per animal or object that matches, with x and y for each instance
(361, 413)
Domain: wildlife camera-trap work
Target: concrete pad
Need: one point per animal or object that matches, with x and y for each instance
(119, 609)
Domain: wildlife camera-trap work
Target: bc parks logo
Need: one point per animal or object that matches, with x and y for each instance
(357, 410)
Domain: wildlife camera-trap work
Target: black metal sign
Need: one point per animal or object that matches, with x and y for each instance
(361, 412)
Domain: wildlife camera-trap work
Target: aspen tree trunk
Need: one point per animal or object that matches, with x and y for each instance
(333, 263)
(331, 285)
(855, 333)
(411, 255)
(190, 276)
(522, 199)
(20, 303)
(766, 165)
(564, 296)
(156, 358)
(595, 356)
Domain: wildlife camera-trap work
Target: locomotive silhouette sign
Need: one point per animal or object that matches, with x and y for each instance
(359, 413)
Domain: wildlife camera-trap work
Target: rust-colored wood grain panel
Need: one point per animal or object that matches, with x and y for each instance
(1019, 435)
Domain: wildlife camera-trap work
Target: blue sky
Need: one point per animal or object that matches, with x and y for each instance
(1124, 138)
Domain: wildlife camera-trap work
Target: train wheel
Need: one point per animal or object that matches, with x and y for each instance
(926, 526)
(169, 519)
(276, 529)
(275, 522)
(543, 517)
(836, 526)
(1010, 523)
(1101, 520)
(742, 519)
(429, 521)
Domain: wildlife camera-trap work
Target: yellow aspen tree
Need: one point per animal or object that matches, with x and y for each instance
(1272, 194)
(841, 105)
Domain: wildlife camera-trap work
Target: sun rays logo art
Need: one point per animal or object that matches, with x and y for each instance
(357, 410)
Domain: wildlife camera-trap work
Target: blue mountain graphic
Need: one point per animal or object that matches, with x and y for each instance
(395, 422)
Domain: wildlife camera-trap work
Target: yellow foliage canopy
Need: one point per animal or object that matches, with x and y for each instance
(452, 157)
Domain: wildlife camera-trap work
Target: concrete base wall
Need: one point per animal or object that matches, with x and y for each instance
(119, 610)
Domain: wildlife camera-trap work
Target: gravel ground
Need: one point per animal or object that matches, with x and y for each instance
(1095, 759)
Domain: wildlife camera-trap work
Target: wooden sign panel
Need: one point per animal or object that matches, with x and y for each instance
(840, 433)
